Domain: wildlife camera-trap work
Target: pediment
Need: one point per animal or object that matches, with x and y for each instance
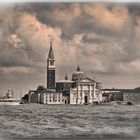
(89, 80)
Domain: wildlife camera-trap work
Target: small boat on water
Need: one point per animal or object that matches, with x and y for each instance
(9, 99)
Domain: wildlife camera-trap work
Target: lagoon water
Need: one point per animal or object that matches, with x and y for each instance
(70, 121)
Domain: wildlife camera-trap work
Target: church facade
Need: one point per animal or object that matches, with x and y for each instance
(80, 89)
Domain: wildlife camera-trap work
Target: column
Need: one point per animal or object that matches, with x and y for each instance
(77, 98)
(90, 98)
(94, 96)
(82, 94)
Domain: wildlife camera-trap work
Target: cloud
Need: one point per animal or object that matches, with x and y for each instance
(115, 17)
(102, 38)
(14, 41)
(78, 18)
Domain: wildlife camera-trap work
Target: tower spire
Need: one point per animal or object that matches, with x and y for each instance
(51, 55)
(51, 69)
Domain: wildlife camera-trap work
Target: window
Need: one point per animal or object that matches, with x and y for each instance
(51, 63)
(74, 94)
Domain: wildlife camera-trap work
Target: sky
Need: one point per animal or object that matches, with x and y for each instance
(103, 38)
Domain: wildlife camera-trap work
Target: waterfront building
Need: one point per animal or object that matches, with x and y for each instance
(84, 89)
(79, 90)
(125, 95)
(35, 95)
(54, 98)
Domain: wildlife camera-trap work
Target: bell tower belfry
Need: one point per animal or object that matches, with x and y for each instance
(51, 69)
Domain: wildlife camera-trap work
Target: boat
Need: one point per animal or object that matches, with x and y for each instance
(9, 99)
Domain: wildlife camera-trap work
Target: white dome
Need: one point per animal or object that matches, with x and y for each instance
(78, 75)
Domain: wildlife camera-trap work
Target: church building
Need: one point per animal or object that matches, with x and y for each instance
(79, 89)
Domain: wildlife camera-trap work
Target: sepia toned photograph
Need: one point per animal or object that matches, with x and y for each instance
(70, 70)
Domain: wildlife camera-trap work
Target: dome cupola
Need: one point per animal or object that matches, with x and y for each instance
(78, 74)
(78, 68)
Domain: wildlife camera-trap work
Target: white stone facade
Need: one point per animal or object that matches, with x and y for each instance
(82, 91)
(53, 98)
(85, 92)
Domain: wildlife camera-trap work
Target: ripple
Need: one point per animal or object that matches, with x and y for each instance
(73, 121)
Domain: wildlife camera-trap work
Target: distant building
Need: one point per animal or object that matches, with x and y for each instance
(51, 98)
(79, 90)
(125, 95)
(34, 95)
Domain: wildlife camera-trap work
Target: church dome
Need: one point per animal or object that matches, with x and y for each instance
(78, 75)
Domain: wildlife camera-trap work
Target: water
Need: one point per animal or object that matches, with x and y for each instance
(69, 121)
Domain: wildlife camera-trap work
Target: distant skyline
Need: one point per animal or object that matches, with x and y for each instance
(103, 38)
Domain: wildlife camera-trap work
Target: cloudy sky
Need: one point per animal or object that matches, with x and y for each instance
(103, 38)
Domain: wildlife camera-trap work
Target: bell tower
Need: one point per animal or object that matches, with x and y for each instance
(51, 69)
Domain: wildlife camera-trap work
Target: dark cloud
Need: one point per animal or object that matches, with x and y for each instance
(134, 8)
